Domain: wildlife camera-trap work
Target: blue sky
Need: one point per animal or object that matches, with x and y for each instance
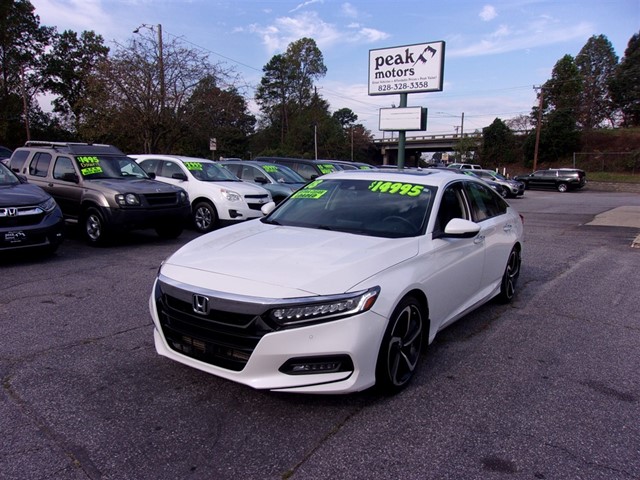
(496, 52)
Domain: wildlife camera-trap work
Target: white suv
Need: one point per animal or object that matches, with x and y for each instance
(217, 196)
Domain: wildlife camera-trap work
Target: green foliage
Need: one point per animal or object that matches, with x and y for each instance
(625, 83)
(596, 63)
(498, 147)
(69, 67)
(22, 45)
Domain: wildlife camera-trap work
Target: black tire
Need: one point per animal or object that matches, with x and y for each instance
(205, 217)
(510, 277)
(562, 187)
(94, 228)
(401, 346)
(169, 231)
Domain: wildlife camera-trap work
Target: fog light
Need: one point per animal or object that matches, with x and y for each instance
(316, 365)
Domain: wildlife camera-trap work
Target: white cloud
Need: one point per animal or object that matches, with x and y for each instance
(348, 10)
(305, 4)
(77, 15)
(284, 30)
(488, 13)
(537, 34)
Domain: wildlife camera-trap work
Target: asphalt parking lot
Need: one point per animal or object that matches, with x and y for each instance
(545, 388)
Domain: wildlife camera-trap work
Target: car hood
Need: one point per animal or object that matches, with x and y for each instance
(268, 261)
(21, 194)
(140, 185)
(243, 188)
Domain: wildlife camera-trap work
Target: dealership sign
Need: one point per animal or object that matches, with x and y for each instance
(407, 69)
(408, 118)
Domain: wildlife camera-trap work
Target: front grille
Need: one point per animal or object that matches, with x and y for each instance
(161, 199)
(20, 216)
(255, 202)
(222, 337)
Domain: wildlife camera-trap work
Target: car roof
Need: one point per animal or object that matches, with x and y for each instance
(179, 158)
(428, 176)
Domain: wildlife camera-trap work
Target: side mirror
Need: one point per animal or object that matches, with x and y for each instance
(267, 208)
(260, 180)
(179, 176)
(151, 175)
(460, 228)
(70, 177)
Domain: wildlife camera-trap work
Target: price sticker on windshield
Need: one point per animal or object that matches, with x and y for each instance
(305, 193)
(193, 166)
(90, 170)
(270, 168)
(396, 188)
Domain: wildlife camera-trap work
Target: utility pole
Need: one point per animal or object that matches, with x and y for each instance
(161, 66)
(538, 127)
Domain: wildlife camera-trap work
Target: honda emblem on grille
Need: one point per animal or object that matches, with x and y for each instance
(12, 212)
(200, 304)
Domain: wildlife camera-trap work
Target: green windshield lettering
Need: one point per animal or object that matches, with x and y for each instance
(315, 194)
(270, 168)
(90, 170)
(326, 168)
(193, 165)
(396, 188)
(313, 184)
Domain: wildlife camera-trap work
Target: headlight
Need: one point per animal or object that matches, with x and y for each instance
(127, 199)
(183, 197)
(324, 308)
(231, 195)
(48, 205)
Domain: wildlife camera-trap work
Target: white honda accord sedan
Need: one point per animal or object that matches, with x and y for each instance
(342, 285)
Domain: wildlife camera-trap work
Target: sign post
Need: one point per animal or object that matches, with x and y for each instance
(403, 70)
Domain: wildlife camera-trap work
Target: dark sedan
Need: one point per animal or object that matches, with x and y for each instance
(29, 217)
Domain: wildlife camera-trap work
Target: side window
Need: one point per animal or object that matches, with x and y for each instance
(63, 167)
(39, 165)
(235, 169)
(150, 166)
(249, 173)
(169, 168)
(484, 202)
(307, 171)
(17, 160)
(452, 205)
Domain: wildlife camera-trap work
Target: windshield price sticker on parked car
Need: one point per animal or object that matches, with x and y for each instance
(396, 188)
(89, 165)
(193, 165)
(326, 168)
(305, 193)
(270, 168)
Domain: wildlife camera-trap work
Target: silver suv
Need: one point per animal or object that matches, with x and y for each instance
(103, 190)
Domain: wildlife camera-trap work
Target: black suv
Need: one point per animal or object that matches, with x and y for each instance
(562, 179)
(102, 189)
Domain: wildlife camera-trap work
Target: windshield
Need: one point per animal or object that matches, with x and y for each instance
(210, 172)
(365, 207)
(7, 177)
(109, 166)
(282, 174)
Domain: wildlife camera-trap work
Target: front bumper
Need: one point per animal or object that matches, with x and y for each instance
(246, 350)
(131, 218)
(47, 233)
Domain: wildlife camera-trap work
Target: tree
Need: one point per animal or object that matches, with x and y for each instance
(345, 117)
(596, 63)
(69, 67)
(212, 112)
(286, 89)
(22, 45)
(143, 94)
(562, 91)
(625, 83)
(498, 147)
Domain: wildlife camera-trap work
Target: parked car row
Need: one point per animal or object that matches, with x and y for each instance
(107, 192)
